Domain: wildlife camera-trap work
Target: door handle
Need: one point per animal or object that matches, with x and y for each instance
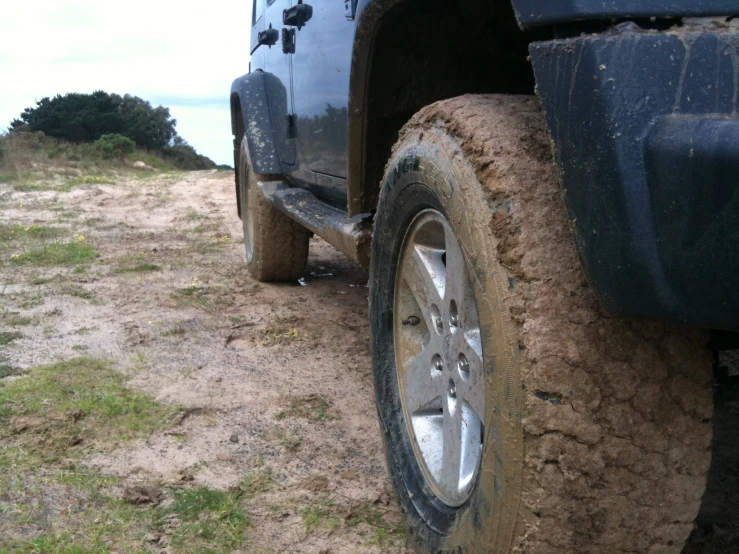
(298, 15)
(268, 37)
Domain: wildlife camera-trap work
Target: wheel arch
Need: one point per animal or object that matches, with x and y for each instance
(249, 100)
(400, 64)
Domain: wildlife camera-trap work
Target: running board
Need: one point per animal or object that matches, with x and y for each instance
(350, 235)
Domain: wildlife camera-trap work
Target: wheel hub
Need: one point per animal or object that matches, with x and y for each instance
(439, 359)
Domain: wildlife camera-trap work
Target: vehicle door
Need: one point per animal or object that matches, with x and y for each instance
(256, 60)
(321, 66)
(277, 61)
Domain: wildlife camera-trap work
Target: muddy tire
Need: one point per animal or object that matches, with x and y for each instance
(276, 246)
(595, 433)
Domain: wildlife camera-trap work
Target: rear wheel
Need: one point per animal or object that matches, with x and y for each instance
(517, 416)
(276, 247)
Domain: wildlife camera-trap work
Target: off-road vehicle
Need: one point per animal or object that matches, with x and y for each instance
(545, 193)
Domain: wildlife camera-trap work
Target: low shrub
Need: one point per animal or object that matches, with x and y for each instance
(115, 146)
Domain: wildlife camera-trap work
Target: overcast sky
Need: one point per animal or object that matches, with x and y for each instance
(181, 55)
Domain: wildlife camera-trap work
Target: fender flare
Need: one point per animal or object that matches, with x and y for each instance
(249, 98)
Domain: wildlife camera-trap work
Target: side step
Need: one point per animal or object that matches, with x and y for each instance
(350, 235)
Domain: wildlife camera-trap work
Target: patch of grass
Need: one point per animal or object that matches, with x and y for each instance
(13, 319)
(211, 520)
(6, 337)
(139, 268)
(39, 187)
(191, 214)
(256, 483)
(30, 300)
(290, 440)
(64, 187)
(189, 503)
(98, 524)
(325, 513)
(24, 233)
(6, 370)
(8, 177)
(90, 180)
(176, 330)
(68, 253)
(78, 292)
(321, 514)
(91, 400)
(312, 407)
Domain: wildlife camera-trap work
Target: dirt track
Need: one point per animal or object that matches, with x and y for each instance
(271, 376)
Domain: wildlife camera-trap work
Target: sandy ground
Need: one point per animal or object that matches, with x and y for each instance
(275, 376)
(245, 359)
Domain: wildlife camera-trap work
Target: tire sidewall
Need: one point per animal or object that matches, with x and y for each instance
(246, 176)
(428, 170)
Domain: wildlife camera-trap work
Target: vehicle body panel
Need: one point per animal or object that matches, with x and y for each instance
(646, 136)
(277, 64)
(545, 12)
(321, 66)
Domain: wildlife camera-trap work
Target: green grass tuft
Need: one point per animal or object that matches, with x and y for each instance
(6, 337)
(90, 180)
(91, 390)
(69, 253)
(18, 232)
(140, 268)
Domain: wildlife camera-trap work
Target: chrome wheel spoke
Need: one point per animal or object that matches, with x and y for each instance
(425, 276)
(423, 383)
(455, 266)
(471, 385)
(452, 448)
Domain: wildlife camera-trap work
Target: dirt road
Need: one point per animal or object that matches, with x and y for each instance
(271, 378)
(263, 436)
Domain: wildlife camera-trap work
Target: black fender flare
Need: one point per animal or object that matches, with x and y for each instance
(249, 100)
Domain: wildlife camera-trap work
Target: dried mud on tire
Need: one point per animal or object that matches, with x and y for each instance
(614, 416)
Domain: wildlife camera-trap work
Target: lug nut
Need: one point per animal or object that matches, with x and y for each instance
(438, 365)
(412, 321)
(452, 389)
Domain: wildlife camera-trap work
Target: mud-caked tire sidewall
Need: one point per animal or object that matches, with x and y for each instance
(597, 431)
(428, 172)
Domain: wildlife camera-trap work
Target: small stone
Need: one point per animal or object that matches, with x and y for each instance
(153, 537)
(219, 379)
(348, 475)
(234, 438)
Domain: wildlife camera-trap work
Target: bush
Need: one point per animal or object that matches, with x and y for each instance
(79, 117)
(115, 146)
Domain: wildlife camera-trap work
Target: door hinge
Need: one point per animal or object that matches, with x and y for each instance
(288, 41)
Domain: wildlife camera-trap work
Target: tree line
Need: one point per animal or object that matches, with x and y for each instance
(78, 117)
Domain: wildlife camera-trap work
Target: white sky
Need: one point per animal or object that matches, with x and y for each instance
(182, 55)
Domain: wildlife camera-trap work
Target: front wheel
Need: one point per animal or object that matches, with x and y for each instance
(517, 416)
